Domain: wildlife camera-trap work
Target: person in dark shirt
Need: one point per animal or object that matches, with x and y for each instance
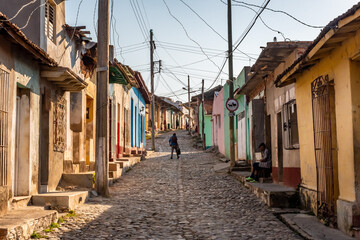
(265, 162)
(174, 145)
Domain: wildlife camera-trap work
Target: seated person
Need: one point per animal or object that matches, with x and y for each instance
(264, 163)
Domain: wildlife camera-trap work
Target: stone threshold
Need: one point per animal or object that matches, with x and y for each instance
(274, 195)
(310, 228)
(21, 223)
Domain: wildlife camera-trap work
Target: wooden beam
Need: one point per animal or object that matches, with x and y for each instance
(51, 74)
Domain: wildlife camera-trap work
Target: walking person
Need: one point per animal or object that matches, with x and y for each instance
(174, 145)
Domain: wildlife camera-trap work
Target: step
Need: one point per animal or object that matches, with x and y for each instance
(79, 180)
(241, 169)
(273, 195)
(121, 164)
(61, 201)
(122, 159)
(113, 174)
(21, 223)
(126, 155)
(114, 166)
(20, 202)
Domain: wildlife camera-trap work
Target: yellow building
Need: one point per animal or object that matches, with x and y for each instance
(327, 88)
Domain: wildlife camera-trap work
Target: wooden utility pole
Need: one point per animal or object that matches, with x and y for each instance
(203, 115)
(231, 87)
(102, 102)
(189, 104)
(152, 91)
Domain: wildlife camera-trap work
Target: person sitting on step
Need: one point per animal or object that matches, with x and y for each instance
(264, 163)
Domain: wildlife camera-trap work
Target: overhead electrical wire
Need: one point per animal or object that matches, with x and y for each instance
(277, 11)
(187, 34)
(207, 24)
(243, 36)
(261, 19)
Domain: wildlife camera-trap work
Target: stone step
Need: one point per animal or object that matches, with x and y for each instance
(79, 180)
(113, 174)
(122, 159)
(114, 166)
(61, 201)
(242, 169)
(21, 223)
(20, 202)
(121, 164)
(126, 155)
(273, 195)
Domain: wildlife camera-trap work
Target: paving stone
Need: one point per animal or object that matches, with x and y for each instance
(163, 198)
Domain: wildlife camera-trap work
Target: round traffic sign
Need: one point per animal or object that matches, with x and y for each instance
(232, 105)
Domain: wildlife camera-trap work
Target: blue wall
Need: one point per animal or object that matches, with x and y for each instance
(137, 118)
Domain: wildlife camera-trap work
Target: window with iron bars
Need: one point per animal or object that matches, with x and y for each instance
(50, 22)
(290, 125)
(4, 105)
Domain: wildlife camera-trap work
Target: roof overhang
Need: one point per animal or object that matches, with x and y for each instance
(332, 37)
(64, 78)
(270, 58)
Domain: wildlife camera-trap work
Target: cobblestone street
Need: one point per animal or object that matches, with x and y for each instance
(175, 199)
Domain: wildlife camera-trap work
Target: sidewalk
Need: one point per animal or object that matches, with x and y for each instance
(283, 197)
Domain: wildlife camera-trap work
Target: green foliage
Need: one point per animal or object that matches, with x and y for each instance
(71, 213)
(60, 220)
(54, 225)
(36, 235)
(93, 178)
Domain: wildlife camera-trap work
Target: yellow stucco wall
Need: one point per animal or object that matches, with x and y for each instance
(337, 66)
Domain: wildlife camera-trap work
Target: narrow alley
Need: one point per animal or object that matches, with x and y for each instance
(175, 199)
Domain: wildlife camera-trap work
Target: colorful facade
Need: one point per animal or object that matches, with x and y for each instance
(326, 81)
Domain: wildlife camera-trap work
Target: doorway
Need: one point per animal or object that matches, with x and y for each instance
(324, 125)
(280, 147)
(22, 143)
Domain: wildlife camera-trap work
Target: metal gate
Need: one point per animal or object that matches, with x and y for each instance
(4, 100)
(323, 146)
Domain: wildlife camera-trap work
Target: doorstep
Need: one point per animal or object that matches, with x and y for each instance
(61, 201)
(273, 195)
(21, 223)
(310, 228)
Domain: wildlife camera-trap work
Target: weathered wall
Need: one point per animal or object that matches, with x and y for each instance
(7, 64)
(218, 122)
(346, 77)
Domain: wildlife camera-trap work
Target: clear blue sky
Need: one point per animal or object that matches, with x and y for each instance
(168, 32)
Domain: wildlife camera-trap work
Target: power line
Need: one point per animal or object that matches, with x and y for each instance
(207, 24)
(251, 25)
(261, 19)
(277, 11)
(243, 36)
(188, 34)
(94, 19)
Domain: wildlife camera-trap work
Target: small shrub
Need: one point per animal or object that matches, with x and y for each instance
(36, 235)
(71, 213)
(54, 225)
(60, 220)
(48, 230)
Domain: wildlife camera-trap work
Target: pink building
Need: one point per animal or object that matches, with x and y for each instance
(218, 121)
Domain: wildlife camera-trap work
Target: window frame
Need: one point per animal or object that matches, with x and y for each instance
(50, 5)
(288, 126)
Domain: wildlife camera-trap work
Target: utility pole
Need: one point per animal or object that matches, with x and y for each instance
(102, 102)
(203, 115)
(189, 104)
(231, 86)
(152, 91)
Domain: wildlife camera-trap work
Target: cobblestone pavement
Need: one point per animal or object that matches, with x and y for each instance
(175, 199)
